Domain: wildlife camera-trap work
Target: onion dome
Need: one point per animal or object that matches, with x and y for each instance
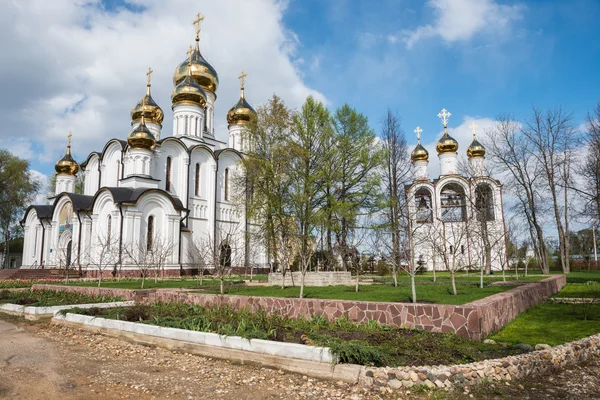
(202, 72)
(476, 149)
(419, 153)
(242, 112)
(67, 165)
(188, 90)
(148, 107)
(446, 144)
(141, 137)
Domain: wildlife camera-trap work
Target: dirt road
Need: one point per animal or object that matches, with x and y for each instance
(41, 361)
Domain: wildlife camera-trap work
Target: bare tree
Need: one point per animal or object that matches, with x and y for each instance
(551, 133)
(511, 152)
(104, 253)
(149, 255)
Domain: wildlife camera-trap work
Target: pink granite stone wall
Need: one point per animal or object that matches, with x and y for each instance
(474, 320)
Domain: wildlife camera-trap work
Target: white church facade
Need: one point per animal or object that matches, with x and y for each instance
(151, 189)
(456, 221)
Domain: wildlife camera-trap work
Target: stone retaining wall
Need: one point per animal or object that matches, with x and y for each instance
(503, 369)
(474, 320)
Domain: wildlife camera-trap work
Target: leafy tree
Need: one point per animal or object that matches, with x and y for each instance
(17, 188)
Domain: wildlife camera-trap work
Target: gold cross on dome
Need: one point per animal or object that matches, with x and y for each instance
(242, 78)
(148, 74)
(418, 131)
(189, 53)
(444, 115)
(69, 138)
(199, 18)
(473, 127)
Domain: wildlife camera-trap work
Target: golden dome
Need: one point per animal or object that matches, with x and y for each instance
(476, 149)
(419, 153)
(67, 165)
(242, 112)
(141, 137)
(148, 107)
(188, 91)
(446, 144)
(202, 72)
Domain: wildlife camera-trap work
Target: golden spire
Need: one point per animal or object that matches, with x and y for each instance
(143, 122)
(473, 127)
(148, 74)
(418, 131)
(196, 23)
(242, 79)
(69, 142)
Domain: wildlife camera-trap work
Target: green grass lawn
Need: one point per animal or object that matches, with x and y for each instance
(551, 324)
(171, 283)
(472, 277)
(48, 298)
(580, 290)
(583, 276)
(440, 294)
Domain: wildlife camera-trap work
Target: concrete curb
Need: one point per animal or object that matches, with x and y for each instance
(34, 313)
(292, 357)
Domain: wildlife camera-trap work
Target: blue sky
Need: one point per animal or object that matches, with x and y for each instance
(476, 58)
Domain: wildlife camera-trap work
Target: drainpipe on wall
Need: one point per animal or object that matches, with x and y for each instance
(121, 237)
(187, 213)
(79, 244)
(43, 240)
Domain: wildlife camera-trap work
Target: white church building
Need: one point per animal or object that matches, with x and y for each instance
(456, 221)
(150, 188)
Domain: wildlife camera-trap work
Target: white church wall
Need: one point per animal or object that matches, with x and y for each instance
(166, 221)
(91, 175)
(111, 165)
(179, 167)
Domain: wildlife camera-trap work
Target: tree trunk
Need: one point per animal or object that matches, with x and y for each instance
(357, 278)
(481, 277)
(395, 276)
(143, 280)
(302, 283)
(453, 282)
(413, 288)
(100, 277)
(221, 285)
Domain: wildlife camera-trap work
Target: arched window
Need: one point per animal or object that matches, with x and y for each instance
(108, 231)
(150, 233)
(197, 184)
(423, 205)
(453, 203)
(484, 203)
(168, 175)
(225, 256)
(226, 184)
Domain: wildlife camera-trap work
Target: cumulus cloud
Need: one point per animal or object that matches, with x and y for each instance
(76, 65)
(460, 20)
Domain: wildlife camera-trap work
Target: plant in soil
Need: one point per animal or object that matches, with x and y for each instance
(48, 298)
(365, 344)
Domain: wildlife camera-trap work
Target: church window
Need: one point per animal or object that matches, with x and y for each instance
(185, 129)
(423, 204)
(108, 231)
(35, 242)
(452, 199)
(462, 249)
(226, 184)
(451, 249)
(118, 170)
(150, 233)
(168, 175)
(197, 183)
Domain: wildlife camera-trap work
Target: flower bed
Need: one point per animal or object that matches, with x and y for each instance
(364, 344)
(25, 283)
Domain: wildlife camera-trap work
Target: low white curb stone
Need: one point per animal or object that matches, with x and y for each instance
(31, 312)
(293, 350)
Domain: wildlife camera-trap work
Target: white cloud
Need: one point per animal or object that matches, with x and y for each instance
(461, 20)
(72, 65)
(42, 196)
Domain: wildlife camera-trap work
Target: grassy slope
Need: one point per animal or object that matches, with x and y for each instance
(427, 293)
(45, 298)
(551, 324)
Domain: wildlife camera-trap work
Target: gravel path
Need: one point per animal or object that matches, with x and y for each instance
(42, 361)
